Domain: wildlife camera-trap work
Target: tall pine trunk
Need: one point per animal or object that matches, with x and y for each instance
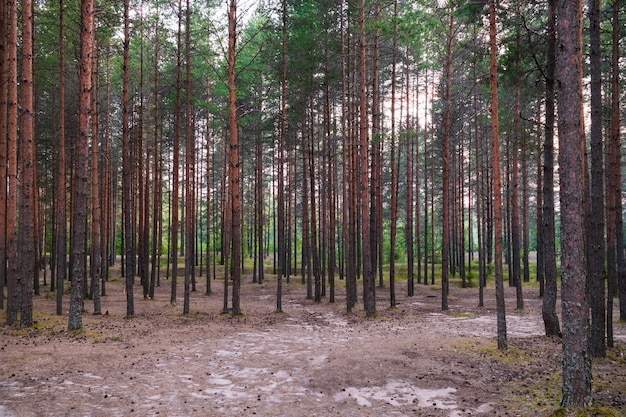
(26, 250)
(369, 287)
(445, 227)
(282, 247)
(596, 251)
(497, 193)
(616, 165)
(515, 215)
(129, 273)
(95, 266)
(4, 26)
(574, 302)
(189, 170)
(79, 201)
(550, 318)
(11, 144)
(156, 183)
(393, 213)
(173, 249)
(233, 161)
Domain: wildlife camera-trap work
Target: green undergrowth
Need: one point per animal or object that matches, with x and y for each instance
(488, 349)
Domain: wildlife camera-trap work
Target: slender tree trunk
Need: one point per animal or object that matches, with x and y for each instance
(156, 183)
(129, 271)
(106, 167)
(327, 194)
(416, 159)
(539, 223)
(79, 234)
(550, 318)
(596, 251)
(426, 185)
(190, 251)
(209, 201)
(233, 160)
(616, 167)
(313, 250)
(11, 144)
(432, 197)
(26, 250)
(445, 240)
(515, 221)
(393, 213)
(174, 226)
(408, 224)
(306, 223)
(4, 26)
(282, 250)
(260, 253)
(497, 194)
(574, 304)
(525, 210)
(613, 185)
(226, 225)
(480, 206)
(376, 203)
(349, 192)
(369, 287)
(142, 163)
(95, 266)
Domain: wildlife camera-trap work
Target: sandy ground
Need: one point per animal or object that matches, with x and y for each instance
(311, 360)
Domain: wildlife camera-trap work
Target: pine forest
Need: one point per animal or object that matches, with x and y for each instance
(297, 207)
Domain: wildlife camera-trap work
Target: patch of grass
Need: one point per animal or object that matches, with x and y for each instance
(460, 315)
(544, 395)
(617, 354)
(489, 349)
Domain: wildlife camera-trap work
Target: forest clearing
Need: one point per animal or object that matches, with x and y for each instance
(314, 359)
(366, 140)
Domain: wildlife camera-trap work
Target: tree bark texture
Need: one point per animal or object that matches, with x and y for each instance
(4, 26)
(550, 318)
(80, 203)
(129, 273)
(497, 193)
(233, 161)
(574, 302)
(596, 247)
(26, 250)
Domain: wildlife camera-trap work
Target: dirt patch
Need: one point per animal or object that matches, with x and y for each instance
(313, 359)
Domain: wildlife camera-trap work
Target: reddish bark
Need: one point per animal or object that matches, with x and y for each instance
(574, 303)
(79, 201)
(497, 194)
(11, 143)
(233, 161)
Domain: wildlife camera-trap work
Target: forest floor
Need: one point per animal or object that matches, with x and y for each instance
(313, 359)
